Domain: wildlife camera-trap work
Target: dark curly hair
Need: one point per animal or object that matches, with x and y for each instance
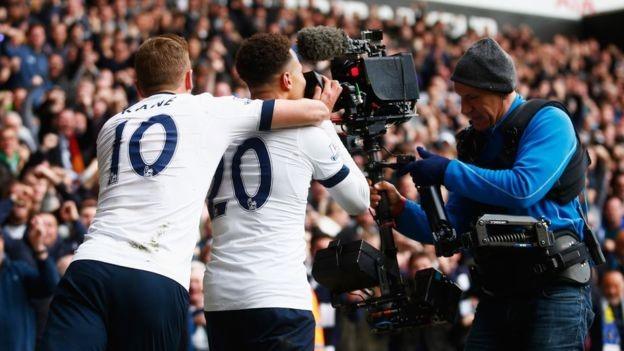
(261, 57)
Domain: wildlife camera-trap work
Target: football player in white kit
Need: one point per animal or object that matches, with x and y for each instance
(127, 286)
(257, 296)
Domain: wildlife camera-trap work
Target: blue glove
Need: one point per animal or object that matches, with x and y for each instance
(427, 171)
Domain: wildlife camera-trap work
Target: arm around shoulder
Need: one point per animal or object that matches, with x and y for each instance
(297, 113)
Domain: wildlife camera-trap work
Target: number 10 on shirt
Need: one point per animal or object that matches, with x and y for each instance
(139, 166)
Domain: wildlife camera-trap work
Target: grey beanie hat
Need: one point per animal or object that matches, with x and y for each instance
(486, 66)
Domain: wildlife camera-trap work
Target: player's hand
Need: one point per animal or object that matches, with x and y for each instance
(395, 200)
(336, 117)
(329, 94)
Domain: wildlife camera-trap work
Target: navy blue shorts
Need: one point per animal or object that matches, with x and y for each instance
(261, 329)
(100, 306)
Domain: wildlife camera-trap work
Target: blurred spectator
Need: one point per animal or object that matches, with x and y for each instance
(67, 151)
(32, 70)
(18, 283)
(57, 72)
(62, 264)
(6, 203)
(197, 321)
(607, 332)
(71, 228)
(615, 257)
(327, 314)
(613, 221)
(15, 225)
(87, 213)
(13, 120)
(10, 156)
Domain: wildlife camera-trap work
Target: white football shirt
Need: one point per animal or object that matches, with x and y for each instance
(258, 202)
(156, 161)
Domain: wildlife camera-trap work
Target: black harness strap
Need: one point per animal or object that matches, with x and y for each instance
(571, 181)
(563, 259)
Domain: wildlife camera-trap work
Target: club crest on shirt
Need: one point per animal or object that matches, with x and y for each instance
(334, 152)
(245, 101)
(113, 179)
(148, 171)
(251, 204)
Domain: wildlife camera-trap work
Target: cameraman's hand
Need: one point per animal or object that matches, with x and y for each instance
(395, 200)
(330, 93)
(429, 170)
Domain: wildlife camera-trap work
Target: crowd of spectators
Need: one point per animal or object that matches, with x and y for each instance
(67, 66)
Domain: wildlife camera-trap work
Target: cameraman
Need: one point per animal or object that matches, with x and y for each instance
(518, 309)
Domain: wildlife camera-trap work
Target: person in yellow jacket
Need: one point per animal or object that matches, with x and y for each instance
(319, 337)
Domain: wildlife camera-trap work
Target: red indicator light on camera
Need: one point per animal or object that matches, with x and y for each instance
(355, 71)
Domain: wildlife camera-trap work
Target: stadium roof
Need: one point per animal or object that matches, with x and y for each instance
(563, 9)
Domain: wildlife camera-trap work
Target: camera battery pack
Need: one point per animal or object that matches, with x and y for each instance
(350, 266)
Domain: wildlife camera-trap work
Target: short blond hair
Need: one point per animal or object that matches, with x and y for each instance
(160, 63)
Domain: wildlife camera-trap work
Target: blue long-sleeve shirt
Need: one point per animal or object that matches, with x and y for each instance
(544, 151)
(18, 283)
(32, 64)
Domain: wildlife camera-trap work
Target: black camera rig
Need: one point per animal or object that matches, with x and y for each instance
(374, 85)
(495, 230)
(426, 299)
(379, 91)
(549, 254)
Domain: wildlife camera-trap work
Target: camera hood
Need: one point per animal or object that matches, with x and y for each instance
(392, 78)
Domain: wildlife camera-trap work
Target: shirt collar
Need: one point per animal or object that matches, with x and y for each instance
(517, 102)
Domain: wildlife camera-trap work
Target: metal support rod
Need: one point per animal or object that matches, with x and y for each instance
(384, 219)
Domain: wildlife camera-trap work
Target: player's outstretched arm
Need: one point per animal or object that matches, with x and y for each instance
(352, 194)
(335, 169)
(297, 113)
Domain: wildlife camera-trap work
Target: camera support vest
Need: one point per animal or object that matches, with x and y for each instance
(470, 143)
